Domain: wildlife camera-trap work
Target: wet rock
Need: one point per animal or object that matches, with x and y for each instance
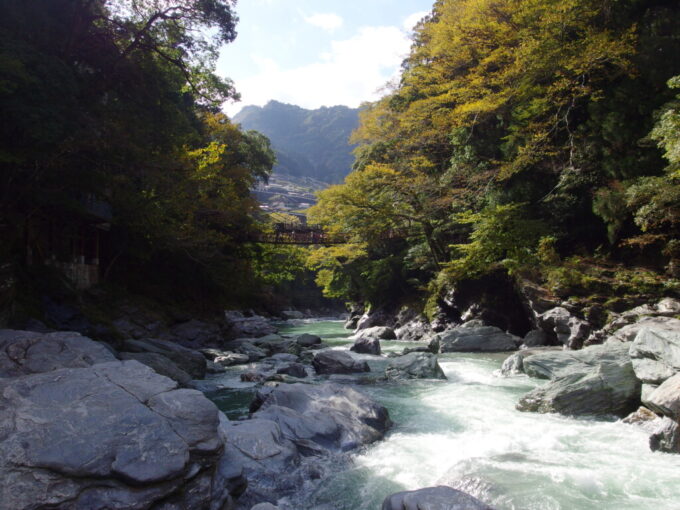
(338, 362)
(514, 364)
(656, 352)
(294, 370)
(550, 363)
(568, 329)
(228, 359)
(378, 332)
(535, 338)
(600, 383)
(239, 326)
(285, 357)
(254, 376)
(475, 339)
(408, 350)
(264, 506)
(334, 417)
(269, 461)
(643, 417)
(213, 368)
(27, 352)
(665, 399)
(366, 345)
(161, 364)
(666, 438)
(433, 498)
(113, 432)
(246, 347)
(307, 340)
(292, 314)
(416, 365)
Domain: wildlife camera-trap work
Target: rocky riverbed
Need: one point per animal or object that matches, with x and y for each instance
(301, 415)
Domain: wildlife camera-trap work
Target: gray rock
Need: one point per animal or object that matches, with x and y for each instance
(433, 498)
(307, 340)
(160, 364)
(665, 399)
(408, 350)
(644, 418)
(568, 329)
(535, 338)
(413, 330)
(514, 364)
(292, 314)
(629, 332)
(647, 390)
(268, 460)
(600, 383)
(476, 339)
(666, 438)
(334, 417)
(214, 368)
(416, 365)
(228, 359)
(264, 506)
(246, 347)
(189, 360)
(378, 332)
(116, 432)
(294, 370)
(656, 352)
(549, 363)
(196, 333)
(239, 326)
(338, 362)
(285, 357)
(27, 352)
(366, 345)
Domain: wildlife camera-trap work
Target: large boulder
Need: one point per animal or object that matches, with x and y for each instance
(665, 399)
(433, 498)
(306, 340)
(338, 362)
(656, 352)
(189, 360)
(415, 365)
(268, 460)
(379, 332)
(237, 325)
(550, 363)
(599, 382)
(628, 332)
(666, 438)
(568, 329)
(113, 435)
(27, 352)
(333, 417)
(160, 364)
(366, 345)
(475, 338)
(246, 347)
(514, 364)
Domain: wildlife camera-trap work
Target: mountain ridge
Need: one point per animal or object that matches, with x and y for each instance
(308, 143)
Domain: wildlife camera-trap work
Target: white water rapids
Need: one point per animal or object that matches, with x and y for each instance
(465, 432)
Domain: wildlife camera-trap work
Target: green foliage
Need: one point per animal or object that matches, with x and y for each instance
(499, 234)
(274, 264)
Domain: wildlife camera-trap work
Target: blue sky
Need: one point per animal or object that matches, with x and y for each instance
(318, 52)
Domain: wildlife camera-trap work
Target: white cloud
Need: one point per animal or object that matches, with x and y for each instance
(411, 21)
(352, 72)
(328, 21)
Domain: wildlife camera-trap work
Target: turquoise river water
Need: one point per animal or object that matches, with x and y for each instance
(465, 432)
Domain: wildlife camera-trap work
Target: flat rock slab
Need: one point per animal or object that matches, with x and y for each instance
(189, 360)
(433, 498)
(549, 364)
(414, 365)
(665, 399)
(114, 432)
(27, 352)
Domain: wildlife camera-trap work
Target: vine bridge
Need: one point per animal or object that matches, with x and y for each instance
(293, 233)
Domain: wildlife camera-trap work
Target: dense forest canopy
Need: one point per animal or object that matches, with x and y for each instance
(118, 100)
(521, 132)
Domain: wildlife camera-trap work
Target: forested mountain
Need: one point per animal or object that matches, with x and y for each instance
(309, 143)
(538, 138)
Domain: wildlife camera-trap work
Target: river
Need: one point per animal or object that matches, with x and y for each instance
(466, 431)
